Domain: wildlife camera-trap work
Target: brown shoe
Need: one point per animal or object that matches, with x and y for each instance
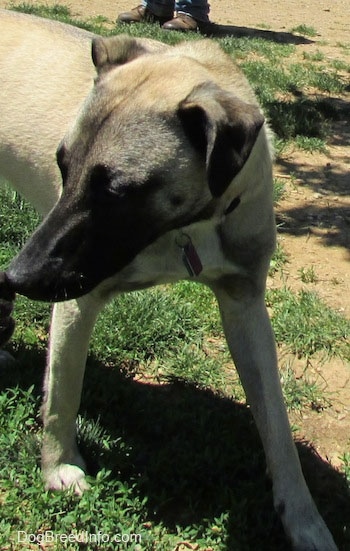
(141, 14)
(182, 22)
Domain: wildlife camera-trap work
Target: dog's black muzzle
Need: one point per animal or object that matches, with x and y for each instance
(74, 249)
(47, 268)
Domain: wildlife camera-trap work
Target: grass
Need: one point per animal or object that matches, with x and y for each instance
(314, 57)
(346, 461)
(172, 446)
(302, 393)
(310, 144)
(305, 30)
(308, 275)
(307, 325)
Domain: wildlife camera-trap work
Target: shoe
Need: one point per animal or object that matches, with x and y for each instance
(141, 14)
(182, 22)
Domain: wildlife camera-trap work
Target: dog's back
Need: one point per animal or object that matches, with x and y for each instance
(45, 72)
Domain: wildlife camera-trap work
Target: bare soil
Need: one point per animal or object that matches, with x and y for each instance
(315, 211)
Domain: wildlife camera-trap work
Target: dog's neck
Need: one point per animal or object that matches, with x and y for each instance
(190, 256)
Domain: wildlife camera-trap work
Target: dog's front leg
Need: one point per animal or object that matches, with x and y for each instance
(72, 324)
(250, 338)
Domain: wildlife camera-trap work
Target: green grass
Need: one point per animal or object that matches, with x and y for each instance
(58, 12)
(278, 260)
(305, 30)
(279, 189)
(308, 275)
(346, 461)
(302, 393)
(307, 325)
(310, 144)
(172, 447)
(314, 56)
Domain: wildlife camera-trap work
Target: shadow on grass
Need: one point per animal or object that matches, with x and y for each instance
(194, 454)
(328, 218)
(330, 223)
(219, 31)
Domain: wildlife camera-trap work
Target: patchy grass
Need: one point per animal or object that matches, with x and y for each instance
(310, 145)
(302, 393)
(307, 325)
(306, 30)
(308, 275)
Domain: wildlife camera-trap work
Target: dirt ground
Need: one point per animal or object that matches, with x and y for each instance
(316, 208)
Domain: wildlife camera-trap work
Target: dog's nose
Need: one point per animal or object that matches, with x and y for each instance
(7, 297)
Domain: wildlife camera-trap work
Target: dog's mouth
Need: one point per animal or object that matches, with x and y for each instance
(58, 278)
(52, 286)
(72, 252)
(49, 267)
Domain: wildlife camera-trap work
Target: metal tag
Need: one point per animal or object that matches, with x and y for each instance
(190, 257)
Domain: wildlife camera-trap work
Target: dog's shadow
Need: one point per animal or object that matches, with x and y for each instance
(195, 455)
(220, 31)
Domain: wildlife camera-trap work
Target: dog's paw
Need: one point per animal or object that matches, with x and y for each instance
(7, 297)
(311, 533)
(66, 477)
(322, 541)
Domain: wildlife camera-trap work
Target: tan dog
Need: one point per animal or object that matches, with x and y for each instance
(167, 175)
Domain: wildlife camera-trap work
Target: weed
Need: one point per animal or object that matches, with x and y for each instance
(12, 233)
(279, 259)
(308, 275)
(305, 30)
(329, 81)
(278, 189)
(314, 57)
(310, 144)
(307, 325)
(340, 65)
(344, 46)
(301, 393)
(346, 460)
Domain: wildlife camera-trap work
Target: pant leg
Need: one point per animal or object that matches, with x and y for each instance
(199, 9)
(161, 8)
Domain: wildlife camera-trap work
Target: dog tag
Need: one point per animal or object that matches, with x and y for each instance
(190, 257)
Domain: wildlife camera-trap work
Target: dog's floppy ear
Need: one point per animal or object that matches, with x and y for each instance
(117, 50)
(222, 128)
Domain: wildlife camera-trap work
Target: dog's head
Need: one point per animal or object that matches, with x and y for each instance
(157, 142)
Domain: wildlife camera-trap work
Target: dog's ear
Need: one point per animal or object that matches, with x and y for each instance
(222, 128)
(117, 50)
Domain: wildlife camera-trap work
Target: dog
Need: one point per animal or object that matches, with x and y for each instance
(164, 172)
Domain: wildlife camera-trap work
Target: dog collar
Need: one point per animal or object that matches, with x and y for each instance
(190, 257)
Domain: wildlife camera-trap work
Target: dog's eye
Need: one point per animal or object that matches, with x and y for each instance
(100, 178)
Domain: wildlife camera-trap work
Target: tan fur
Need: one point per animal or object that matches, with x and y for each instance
(46, 77)
(41, 97)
